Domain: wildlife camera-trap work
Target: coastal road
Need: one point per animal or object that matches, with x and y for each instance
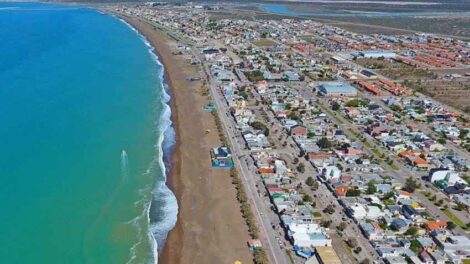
(277, 255)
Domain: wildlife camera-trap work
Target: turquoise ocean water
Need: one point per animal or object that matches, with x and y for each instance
(82, 119)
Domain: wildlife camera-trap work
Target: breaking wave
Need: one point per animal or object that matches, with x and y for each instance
(162, 208)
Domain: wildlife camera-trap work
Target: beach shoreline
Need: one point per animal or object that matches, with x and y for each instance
(208, 226)
(175, 164)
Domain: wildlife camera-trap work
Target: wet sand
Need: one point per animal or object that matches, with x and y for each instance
(210, 228)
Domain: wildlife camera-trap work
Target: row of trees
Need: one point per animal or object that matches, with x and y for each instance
(245, 207)
(220, 130)
(259, 255)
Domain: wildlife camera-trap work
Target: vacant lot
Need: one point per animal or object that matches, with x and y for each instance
(264, 42)
(408, 73)
(382, 64)
(455, 93)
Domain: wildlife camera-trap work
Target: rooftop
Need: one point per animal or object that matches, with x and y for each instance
(337, 87)
(328, 255)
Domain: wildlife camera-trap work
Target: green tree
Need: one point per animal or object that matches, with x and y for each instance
(353, 193)
(358, 250)
(306, 198)
(389, 195)
(460, 207)
(352, 242)
(335, 106)
(415, 246)
(315, 186)
(371, 187)
(395, 108)
(412, 231)
(325, 223)
(310, 181)
(342, 226)
(330, 209)
(324, 143)
(292, 115)
(260, 126)
(451, 225)
(463, 133)
(260, 256)
(411, 185)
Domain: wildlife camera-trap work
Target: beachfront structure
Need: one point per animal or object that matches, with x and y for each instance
(336, 89)
(221, 157)
(373, 54)
(209, 107)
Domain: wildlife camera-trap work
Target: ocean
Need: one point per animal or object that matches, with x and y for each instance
(85, 137)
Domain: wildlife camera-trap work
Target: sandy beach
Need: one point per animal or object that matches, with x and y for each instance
(210, 228)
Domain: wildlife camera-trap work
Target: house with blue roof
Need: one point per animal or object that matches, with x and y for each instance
(221, 157)
(337, 89)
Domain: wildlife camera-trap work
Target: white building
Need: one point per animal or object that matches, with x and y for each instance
(308, 235)
(451, 177)
(331, 173)
(358, 211)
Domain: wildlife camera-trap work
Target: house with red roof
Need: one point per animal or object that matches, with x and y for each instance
(342, 190)
(436, 225)
(299, 132)
(266, 170)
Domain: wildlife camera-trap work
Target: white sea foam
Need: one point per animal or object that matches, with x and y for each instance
(161, 193)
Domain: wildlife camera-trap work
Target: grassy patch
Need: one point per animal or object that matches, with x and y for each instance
(394, 167)
(367, 144)
(316, 214)
(454, 218)
(423, 192)
(291, 257)
(331, 114)
(264, 42)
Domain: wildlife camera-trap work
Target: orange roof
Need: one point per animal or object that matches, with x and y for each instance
(320, 155)
(353, 151)
(266, 170)
(341, 190)
(420, 161)
(406, 153)
(347, 74)
(435, 225)
(376, 225)
(404, 193)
